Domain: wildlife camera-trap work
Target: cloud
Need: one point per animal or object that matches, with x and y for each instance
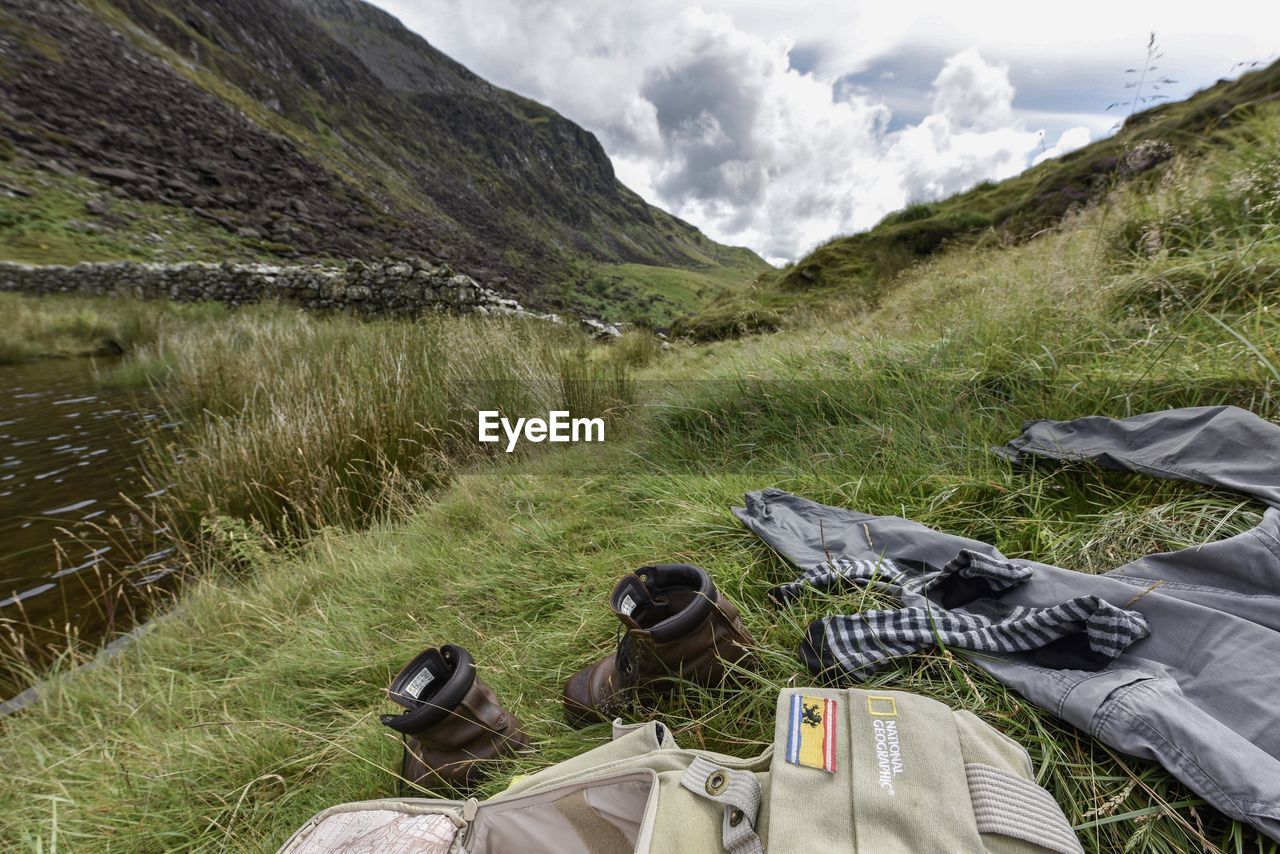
(972, 93)
(780, 142)
(757, 152)
(1070, 140)
(934, 159)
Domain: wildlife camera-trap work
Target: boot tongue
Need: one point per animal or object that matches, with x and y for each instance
(630, 599)
(429, 674)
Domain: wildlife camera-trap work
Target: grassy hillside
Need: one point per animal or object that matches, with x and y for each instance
(304, 129)
(862, 267)
(256, 704)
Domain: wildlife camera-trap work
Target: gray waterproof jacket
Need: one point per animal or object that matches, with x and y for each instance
(1173, 657)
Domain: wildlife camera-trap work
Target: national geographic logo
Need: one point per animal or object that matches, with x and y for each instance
(884, 732)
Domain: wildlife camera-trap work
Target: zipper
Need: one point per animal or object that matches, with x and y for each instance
(469, 822)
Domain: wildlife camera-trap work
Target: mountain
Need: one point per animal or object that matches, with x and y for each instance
(864, 265)
(314, 129)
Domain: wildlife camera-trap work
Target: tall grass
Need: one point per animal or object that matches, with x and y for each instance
(37, 327)
(1208, 237)
(257, 704)
(291, 423)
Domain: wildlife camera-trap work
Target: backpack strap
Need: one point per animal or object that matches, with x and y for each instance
(1007, 804)
(738, 792)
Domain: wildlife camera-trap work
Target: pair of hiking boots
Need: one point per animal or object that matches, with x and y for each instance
(676, 626)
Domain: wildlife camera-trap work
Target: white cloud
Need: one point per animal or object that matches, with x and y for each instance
(800, 167)
(934, 159)
(972, 93)
(1070, 140)
(703, 113)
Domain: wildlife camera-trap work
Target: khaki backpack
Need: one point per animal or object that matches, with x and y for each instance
(849, 770)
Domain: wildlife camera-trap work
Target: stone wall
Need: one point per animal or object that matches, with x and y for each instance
(386, 288)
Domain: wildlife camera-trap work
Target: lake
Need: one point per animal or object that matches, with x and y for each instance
(76, 556)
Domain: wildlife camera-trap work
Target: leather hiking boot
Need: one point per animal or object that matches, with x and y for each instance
(677, 626)
(454, 725)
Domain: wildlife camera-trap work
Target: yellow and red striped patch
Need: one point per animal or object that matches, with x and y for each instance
(811, 741)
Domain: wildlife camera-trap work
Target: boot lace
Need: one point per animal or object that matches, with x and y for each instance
(626, 661)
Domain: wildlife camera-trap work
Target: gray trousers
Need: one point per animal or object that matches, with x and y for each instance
(1200, 694)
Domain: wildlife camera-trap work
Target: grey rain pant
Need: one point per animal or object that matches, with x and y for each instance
(1200, 694)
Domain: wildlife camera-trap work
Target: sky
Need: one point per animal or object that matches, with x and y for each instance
(778, 125)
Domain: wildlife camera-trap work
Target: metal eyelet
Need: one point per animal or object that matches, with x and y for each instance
(735, 817)
(717, 782)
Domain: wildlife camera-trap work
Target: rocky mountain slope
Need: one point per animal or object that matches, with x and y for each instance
(302, 129)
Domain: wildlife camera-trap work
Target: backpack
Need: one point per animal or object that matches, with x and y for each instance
(849, 770)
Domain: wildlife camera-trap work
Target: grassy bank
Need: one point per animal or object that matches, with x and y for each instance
(257, 705)
(292, 423)
(652, 297)
(56, 326)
